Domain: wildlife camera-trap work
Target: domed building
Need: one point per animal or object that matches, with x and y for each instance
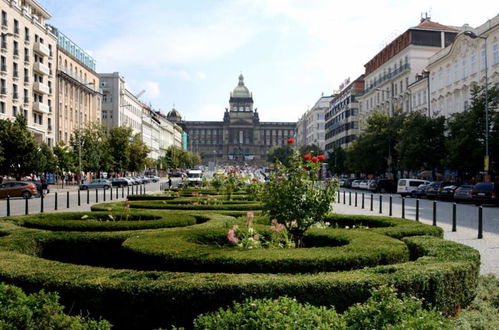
(240, 137)
(174, 116)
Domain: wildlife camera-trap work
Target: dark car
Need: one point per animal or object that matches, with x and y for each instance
(348, 183)
(485, 193)
(435, 187)
(177, 174)
(18, 189)
(383, 186)
(119, 182)
(421, 191)
(447, 193)
(463, 193)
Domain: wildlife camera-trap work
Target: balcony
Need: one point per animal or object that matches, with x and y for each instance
(41, 68)
(41, 88)
(40, 107)
(41, 49)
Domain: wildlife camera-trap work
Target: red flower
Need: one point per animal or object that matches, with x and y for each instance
(321, 157)
(307, 157)
(291, 141)
(315, 159)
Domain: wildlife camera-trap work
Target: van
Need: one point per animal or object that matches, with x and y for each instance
(409, 186)
(194, 177)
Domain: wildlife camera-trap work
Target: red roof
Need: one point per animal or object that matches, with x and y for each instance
(429, 25)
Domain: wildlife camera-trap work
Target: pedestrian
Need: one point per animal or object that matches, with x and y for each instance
(44, 187)
(169, 181)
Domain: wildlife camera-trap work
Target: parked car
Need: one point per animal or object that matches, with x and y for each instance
(383, 186)
(447, 193)
(409, 186)
(485, 193)
(348, 183)
(463, 194)
(119, 182)
(18, 189)
(177, 174)
(154, 178)
(421, 191)
(355, 184)
(194, 177)
(95, 184)
(364, 184)
(435, 187)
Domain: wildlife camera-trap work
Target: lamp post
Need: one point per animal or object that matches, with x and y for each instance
(473, 35)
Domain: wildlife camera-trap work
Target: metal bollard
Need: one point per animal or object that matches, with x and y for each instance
(144, 189)
(128, 190)
(8, 206)
(88, 196)
(123, 191)
(338, 200)
(55, 201)
(349, 198)
(434, 213)
(117, 196)
(97, 195)
(111, 193)
(372, 202)
(41, 203)
(362, 200)
(390, 208)
(67, 199)
(380, 204)
(480, 222)
(344, 197)
(104, 193)
(454, 222)
(79, 198)
(26, 208)
(355, 199)
(403, 207)
(417, 209)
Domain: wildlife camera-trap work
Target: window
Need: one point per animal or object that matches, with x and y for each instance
(14, 111)
(473, 63)
(4, 18)
(3, 64)
(456, 72)
(26, 34)
(16, 26)
(483, 58)
(16, 48)
(2, 107)
(495, 53)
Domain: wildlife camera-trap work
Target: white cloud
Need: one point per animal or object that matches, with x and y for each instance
(152, 89)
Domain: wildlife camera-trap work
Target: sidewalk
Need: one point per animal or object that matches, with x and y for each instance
(488, 246)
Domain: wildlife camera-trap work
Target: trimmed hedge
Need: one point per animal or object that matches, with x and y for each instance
(445, 274)
(171, 205)
(206, 250)
(104, 221)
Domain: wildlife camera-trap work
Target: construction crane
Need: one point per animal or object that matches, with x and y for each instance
(140, 93)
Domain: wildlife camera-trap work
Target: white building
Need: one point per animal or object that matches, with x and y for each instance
(28, 67)
(455, 69)
(310, 127)
(389, 73)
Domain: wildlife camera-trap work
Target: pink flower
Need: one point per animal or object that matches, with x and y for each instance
(250, 215)
(249, 223)
(231, 236)
(274, 222)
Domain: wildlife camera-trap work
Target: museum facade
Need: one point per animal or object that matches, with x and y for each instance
(240, 137)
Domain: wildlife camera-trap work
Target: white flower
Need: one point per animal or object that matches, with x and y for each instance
(251, 230)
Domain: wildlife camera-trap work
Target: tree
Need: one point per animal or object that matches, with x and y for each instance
(119, 141)
(336, 160)
(46, 162)
(19, 148)
(138, 154)
(64, 158)
(280, 153)
(466, 134)
(90, 146)
(422, 142)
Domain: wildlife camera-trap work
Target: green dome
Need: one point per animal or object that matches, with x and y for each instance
(241, 91)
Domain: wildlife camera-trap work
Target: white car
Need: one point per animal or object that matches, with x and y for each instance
(355, 184)
(409, 186)
(363, 184)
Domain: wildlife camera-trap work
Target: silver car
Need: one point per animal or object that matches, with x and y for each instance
(95, 184)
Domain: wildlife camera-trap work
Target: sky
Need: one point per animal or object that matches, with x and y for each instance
(189, 53)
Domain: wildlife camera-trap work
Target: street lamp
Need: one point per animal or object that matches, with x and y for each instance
(473, 35)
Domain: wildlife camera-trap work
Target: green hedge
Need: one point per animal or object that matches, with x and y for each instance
(170, 205)
(207, 250)
(127, 219)
(444, 273)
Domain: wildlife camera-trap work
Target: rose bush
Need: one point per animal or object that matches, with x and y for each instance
(296, 197)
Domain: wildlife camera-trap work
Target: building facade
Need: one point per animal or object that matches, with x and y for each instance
(310, 126)
(27, 67)
(78, 99)
(240, 137)
(454, 70)
(390, 72)
(343, 116)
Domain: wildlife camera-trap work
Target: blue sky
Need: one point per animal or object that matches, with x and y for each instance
(190, 52)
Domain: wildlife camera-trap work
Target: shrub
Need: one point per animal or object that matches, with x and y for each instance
(39, 311)
(383, 310)
(281, 313)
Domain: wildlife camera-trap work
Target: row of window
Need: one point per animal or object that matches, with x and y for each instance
(341, 142)
(342, 128)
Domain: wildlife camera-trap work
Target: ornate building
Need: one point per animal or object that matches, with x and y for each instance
(240, 137)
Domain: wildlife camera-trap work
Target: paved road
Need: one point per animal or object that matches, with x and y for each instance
(69, 196)
(466, 220)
